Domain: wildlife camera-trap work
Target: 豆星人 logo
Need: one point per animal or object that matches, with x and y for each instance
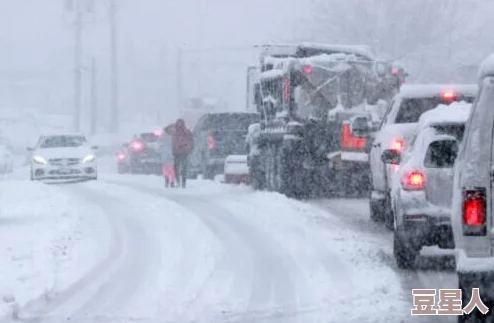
(449, 302)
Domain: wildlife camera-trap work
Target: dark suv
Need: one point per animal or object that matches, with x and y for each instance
(216, 136)
(143, 153)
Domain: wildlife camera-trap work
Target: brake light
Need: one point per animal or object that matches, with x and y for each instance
(395, 71)
(398, 144)
(448, 96)
(348, 140)
(158, 133)
(413, 181)
(474, 208)
(121, 156)
(307, 69)
(211, 142)
(137, 146)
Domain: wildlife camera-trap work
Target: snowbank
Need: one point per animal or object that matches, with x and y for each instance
(46, 243)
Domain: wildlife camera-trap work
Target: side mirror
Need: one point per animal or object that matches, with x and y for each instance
(94, 147)
(391, 156)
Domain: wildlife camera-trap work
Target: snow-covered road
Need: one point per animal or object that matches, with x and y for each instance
(215, 253)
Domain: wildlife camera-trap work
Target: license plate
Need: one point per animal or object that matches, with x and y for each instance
(64, 170)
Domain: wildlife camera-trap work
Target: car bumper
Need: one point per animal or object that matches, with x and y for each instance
(86, 170)
(423, 223)
(476, 272)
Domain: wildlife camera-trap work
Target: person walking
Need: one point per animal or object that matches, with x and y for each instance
(182, 146)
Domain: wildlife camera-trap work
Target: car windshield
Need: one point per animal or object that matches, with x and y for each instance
(412, 108)
(62, 141)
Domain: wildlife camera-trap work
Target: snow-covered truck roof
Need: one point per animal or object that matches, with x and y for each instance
(486, 67)
(310, 49)
(431, 90)
(455, 113)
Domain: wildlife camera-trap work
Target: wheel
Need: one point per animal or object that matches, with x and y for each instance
(388, 214)
(404, 252)
(376, 210)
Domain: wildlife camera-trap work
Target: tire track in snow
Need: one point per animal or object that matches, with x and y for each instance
(355, 214)
(272, 281)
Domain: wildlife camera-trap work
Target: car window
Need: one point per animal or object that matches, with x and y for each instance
(62, 141)
(455, 130)
(441, 154)
(412, 108)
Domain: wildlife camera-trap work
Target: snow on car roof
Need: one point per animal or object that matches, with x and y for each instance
(53, 134)
(457, 112)
(487, 67)
(362, 50)
(271, 74)
(430, 90)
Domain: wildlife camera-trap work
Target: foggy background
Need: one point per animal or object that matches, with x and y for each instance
(437, 41)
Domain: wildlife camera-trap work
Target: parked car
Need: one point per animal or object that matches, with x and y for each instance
(397, 128)
(473, 195)
(421, 192)
(216, 136)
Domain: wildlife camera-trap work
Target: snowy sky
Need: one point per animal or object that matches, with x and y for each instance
(36, 38)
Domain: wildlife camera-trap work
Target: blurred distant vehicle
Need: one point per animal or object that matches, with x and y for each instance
(63, 156)
(123, 165)
(143, 153)
(236, 170)
(216, 136)
(6, 160)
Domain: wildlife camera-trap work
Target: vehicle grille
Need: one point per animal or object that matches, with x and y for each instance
(64, 161)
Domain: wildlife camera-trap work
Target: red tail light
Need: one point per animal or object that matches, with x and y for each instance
(307, 69)
(395, 71)
(121, 156)
(448, 96)
(158, 133)
(137, 146)
(348, 140)
(473, 208)
(413, 181)
(398, 144)
(211, 142)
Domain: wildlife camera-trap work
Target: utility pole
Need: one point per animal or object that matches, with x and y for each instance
(180, 99)
(94, 116)
(114, 66)
(77, 67)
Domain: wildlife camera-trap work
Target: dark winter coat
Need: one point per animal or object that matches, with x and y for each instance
(182, 138)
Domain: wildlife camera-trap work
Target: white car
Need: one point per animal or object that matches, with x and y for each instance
(421, 190)
(63, 156)
(472, 214)
(397, 128)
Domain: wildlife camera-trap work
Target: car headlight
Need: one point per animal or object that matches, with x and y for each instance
(88, 159)
(39, 160)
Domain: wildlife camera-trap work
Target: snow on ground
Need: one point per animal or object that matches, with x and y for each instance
(46, 243)
(331, 269)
